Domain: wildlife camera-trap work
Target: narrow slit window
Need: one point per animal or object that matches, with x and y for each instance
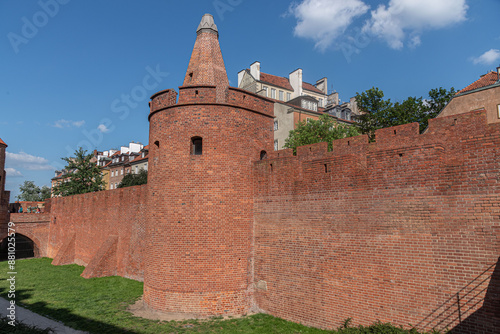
(196, 146)
(263, 155)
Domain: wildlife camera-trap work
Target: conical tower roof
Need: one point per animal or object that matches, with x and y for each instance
(206, 66)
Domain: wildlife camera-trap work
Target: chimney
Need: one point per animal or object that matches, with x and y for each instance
(255, 70)
(498, 73)
(240, 77)
(322, 85)
(296, 82)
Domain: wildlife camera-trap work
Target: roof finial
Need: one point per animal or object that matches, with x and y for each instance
(207, 24)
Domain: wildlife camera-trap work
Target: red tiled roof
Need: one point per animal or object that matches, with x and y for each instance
(139, 158)
(285, 83)
(276, 81)
(486, 80)
(146, 147)
(311, 88)
(2, 142)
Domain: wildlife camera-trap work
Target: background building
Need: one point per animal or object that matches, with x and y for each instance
(295, 100)
(482, 94)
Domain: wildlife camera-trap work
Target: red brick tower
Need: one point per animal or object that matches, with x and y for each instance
(200, 216)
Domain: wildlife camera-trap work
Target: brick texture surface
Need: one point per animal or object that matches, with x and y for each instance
(93, 217)
(404, 230)
(200, 213)
(104, 261)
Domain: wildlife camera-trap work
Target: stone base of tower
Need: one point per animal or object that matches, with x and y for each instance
(198, 304)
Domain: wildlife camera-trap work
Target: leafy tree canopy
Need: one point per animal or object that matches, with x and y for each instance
(30, 192)
(134, 179)
(380, 113)
(326, 129)
(83, 176)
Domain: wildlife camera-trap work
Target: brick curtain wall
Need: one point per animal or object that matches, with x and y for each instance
(93, 218)
(404, 230)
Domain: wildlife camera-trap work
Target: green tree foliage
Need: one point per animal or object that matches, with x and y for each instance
(30, 192)
(326, 129)
(45, 193)
(83, 176)
(380, 113)
(134, 179)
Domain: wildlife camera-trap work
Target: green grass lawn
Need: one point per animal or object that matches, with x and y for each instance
(98, 305)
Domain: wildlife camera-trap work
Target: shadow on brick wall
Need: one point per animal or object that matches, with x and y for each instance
(473, 309)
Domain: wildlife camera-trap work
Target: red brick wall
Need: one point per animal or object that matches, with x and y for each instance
(93, 218)
(201, 206)
(388, 231)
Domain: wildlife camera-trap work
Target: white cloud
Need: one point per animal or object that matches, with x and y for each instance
(103, 128)
(488, 58)
(63, 123)
(12, 172)
(325, 20)
(402, 17)
(23, 160)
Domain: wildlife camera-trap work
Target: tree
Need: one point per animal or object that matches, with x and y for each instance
(45, 193)
(30, 192)
(326, 129)
(134, 179)
(380, 113)
(83, 176)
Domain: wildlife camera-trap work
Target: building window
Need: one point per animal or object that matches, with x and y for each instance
(136, 169)
(146, 167)
(123, 158)
(498, 110)
(112, 173)
(263, 155)
(288, 96)
(275, 124)
(273, 93)
(281, 96)
(111, 186)
(276, 144)
(116, 185)
(196, 146)
(321, 102)
(265, 91)
(121, 171)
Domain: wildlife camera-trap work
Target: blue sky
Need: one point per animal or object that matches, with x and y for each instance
(80, 73)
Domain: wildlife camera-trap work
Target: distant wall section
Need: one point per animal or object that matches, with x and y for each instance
(102, 230)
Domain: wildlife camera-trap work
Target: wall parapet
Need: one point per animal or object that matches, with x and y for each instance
(208, 95)
(29, 217)
(442, 132)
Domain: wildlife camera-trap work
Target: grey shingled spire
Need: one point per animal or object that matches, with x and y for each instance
(207, 24)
